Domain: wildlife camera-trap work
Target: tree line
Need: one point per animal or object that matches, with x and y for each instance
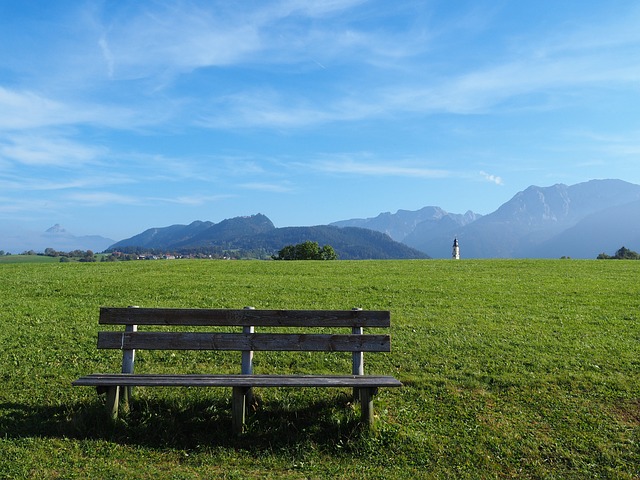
(79, 255)
(622, 254)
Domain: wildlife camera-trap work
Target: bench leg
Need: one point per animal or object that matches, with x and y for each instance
(238, 408)
(356, 395)
(126, 394)
(366, 405)
(113, 394)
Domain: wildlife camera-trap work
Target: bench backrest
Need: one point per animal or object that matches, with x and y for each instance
(248, 339)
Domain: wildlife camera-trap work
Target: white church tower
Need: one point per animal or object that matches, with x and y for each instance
(456, 249)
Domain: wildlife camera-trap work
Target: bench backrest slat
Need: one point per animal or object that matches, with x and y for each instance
(241, 341)
(244, 317)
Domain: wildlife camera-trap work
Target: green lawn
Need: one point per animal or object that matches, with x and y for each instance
(512, 368)
(4, 259)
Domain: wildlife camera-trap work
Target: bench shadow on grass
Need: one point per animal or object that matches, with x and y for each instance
(161, 424)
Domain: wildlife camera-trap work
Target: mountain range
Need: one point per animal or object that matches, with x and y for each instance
(578, 221)
(258, 237)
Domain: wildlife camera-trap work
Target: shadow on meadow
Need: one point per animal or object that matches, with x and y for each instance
(331, 425)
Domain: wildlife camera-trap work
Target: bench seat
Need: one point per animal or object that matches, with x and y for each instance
(186, 380)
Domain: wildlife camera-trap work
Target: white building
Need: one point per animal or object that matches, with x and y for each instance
(456, 249)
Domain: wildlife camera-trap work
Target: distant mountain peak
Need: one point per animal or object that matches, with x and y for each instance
(402, 224)
(57, 228)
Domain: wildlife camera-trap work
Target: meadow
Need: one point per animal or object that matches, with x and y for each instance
(511, 369)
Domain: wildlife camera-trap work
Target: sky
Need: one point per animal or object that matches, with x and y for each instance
(117, 116)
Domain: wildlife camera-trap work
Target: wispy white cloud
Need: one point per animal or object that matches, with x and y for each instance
(263, 109)
(157, 41)
(492, 178)
(48, 150)
(159, 38)
(27, 109)
(100, 198)
(181, 37)
(478, 91)
(192, 200)
(619, 144)
(108, 56)
(536, 69)
(268, 187)
(12, 205)
(103, 198)
(286, 8)
(376, 168)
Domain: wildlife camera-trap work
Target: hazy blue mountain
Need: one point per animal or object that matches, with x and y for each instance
(404, 223)
(532, 218)
(606, 231)
(545, 222)
(55, 237)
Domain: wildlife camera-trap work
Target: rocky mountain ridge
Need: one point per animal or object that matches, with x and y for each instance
(578, 221)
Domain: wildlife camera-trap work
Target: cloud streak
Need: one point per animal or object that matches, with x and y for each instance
(48, 150)
(352, 167)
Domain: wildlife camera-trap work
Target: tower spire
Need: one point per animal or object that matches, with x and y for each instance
(455, 254)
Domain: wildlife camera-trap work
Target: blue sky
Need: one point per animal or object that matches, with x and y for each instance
(118, 116)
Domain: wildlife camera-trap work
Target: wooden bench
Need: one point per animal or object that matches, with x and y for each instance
(118, 386)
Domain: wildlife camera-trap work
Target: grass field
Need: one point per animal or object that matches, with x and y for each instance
(512, 369)
(5, 259)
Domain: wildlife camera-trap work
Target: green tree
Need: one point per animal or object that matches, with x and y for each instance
(88, 256)
(287, 253)
(306, 251)
(623, 253)
(328, 253)
(626, 254)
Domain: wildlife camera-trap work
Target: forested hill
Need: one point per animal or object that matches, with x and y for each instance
(257, 236)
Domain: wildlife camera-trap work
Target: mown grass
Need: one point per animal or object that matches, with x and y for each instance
(512, 368)
(4, 259)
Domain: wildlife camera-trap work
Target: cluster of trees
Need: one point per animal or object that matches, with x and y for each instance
(306, 251)
(79, 255)
(622, 254)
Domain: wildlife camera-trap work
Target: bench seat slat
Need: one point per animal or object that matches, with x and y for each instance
(167, 380)
(241, 341)
(244, 317)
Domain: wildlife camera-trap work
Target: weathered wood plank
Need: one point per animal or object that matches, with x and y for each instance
(194, 380)
(243, 341)
(244, 317)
